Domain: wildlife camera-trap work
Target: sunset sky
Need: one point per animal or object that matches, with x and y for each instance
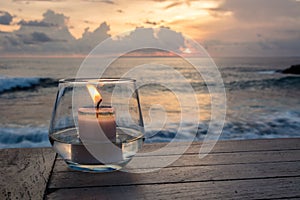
(223, 27)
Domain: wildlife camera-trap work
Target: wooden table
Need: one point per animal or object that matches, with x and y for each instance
(252, 169)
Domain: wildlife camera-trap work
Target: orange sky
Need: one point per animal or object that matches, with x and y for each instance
(183, 16)
(223, 27)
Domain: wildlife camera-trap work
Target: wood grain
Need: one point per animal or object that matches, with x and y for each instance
(211, 159)
(232, 146)
(24, 172)
(249, 169)
(177, 175)
(233, 170)
(279, 188)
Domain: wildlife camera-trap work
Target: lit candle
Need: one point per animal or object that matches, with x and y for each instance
(89, 120)
(97, 126)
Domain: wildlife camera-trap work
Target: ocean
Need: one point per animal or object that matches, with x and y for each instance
(261, 102)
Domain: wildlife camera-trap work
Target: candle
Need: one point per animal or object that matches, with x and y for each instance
(89, 120)
(97, 126)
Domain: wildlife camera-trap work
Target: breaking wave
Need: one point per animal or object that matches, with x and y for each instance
(13, 84)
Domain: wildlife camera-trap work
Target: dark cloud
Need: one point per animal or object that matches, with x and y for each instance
(108, 2)
(35, 23)
(254, 27)
(156, 23)
(34, 38)
(262, 10)
(288, 45)
(262, 47)
(50, 34)
(40, 37)
(58, 19)
(177, 3)
(92, 38)
(217, 12)
(5, 18)
(151, 23)
(280, 47)
(10, 41)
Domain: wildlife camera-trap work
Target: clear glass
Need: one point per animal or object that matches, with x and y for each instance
(92, 134)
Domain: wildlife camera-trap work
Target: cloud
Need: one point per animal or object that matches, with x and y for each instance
(151, 22)
(34, 38)
(173, 5)
(35, 23)
(5, 18)
(145, 41)
(40, 37)
(10, 41)
(176, 3)
(234, 28)
(217, 12)
(262, 46)
(90, 39)
(254, 27)
(58, 19)
(262, 10)
(108, 2)
(51, 35)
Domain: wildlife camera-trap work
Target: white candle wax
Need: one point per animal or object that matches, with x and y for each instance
(89, 120)
(98, 128)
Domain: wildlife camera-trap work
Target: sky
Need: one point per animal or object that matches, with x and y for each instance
(222, 27)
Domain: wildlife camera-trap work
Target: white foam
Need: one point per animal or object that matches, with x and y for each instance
(267, 72)
(23, 137)
(279, 125)
(10, 83)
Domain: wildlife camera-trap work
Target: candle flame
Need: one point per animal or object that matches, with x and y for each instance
(96, 96)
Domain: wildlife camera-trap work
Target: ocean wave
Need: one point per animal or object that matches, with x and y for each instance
(287, 82)
(12, 84)
(277, 125)
(23, 137)
(283, 83)
(280, 125)
(269, 72)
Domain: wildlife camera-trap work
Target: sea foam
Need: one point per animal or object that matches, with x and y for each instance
(23, 137)
(11, 84)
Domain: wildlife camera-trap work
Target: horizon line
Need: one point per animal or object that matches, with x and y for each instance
(135, 56)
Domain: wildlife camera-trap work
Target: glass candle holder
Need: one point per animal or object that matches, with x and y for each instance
(96, 124)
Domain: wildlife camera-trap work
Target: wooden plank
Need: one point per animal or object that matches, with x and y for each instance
(232, 146)
(281, 188)
(210, 159)
(177, 175)
(24, 172)
(237, 146)
(232, 169)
